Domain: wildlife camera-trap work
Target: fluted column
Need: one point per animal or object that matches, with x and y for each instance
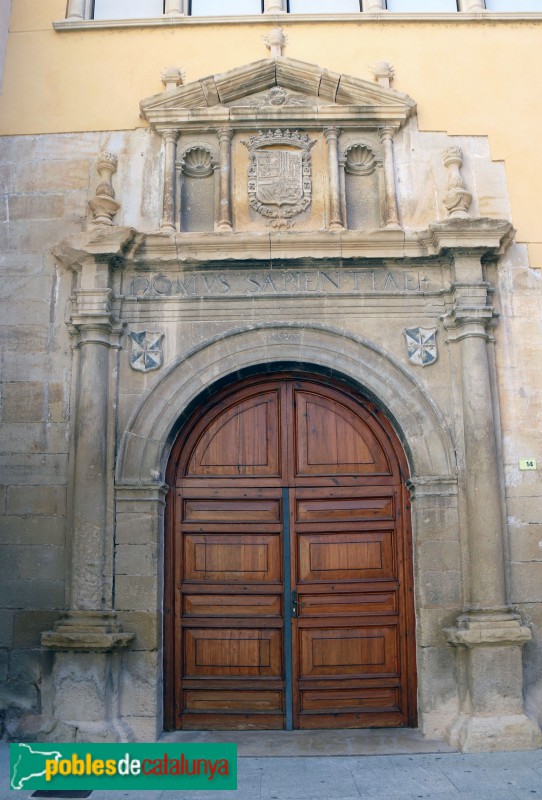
(168, 224)
(335, 210)
(225, 136)
(392, 212)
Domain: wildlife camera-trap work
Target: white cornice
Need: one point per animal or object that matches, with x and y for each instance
(386, 17)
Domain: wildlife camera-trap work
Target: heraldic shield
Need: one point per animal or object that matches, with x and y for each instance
(146, 352)
(421, 345)
(279, 173)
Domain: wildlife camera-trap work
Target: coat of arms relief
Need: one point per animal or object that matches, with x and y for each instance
(279, 173)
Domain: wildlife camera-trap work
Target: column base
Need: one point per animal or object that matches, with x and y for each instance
(96, 631)
(490, 674)
(84, 686)
(490, 734)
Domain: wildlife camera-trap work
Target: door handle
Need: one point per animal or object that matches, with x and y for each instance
(297, 605)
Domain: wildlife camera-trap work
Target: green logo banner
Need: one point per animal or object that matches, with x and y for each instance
(123, 766)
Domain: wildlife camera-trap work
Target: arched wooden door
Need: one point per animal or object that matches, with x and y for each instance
(288, 563)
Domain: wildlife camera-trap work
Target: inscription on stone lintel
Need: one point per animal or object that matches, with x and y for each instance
(277, 282)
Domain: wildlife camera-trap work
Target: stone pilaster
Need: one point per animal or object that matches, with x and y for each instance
(335, 210)
(392, 212)
(168, 224)
(225, 136)
(87, 639)
(488, 636)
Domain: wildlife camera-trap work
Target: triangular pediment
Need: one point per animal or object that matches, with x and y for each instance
(250, 92)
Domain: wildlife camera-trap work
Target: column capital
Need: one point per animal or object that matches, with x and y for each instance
(224, 134)
(332, 133)
(472, 313)
(170, 135)
(387, 132)
(92, 318)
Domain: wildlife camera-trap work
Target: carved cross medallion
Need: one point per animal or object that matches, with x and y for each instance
(421, 345)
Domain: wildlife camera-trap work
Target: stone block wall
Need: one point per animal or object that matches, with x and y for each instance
(44, 186)
(46, 182)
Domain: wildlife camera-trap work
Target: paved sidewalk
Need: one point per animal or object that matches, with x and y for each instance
(435, 776)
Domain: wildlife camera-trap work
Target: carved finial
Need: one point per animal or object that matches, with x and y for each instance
(103, 205)
(383, 73)
(275, 41)
(172, 77)
(457, 199)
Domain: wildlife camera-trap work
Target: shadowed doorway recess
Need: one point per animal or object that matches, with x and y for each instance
(289, 599)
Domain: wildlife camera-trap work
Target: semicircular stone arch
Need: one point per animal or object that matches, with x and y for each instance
(150, 432)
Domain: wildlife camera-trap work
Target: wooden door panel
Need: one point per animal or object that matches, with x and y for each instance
(236, 701)
(231, 558)
(348, 651)
(331, 438)
(232, 605)
(209, 510)
(353, 700)
(232, 653)
(345, 556)
(347, 605)
(345, 509)
(242, 440)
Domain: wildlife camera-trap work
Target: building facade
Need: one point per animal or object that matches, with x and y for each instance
(271, 393)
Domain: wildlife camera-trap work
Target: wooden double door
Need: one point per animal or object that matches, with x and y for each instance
(288, 566)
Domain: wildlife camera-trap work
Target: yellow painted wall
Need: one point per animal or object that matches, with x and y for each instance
(467, 77)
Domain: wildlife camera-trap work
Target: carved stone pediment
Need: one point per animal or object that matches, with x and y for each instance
(265, 92)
